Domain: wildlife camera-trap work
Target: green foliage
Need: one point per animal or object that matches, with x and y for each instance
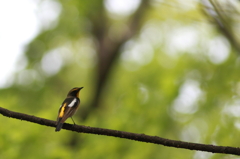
(143, 94)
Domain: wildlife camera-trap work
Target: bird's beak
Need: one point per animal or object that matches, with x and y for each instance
(80, 88)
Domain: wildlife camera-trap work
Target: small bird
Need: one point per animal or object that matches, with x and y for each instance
(68, 107)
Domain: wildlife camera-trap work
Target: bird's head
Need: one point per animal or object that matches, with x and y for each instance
(74, 91)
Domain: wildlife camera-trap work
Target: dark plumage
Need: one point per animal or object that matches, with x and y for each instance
(68, 107)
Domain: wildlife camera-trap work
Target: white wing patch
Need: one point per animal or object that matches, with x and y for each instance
(73, 102)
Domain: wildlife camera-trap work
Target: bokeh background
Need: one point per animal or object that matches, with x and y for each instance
(165, 68)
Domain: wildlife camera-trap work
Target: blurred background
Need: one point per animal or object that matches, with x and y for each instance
(158, 67)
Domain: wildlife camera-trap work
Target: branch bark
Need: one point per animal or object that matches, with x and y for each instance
(125, 135)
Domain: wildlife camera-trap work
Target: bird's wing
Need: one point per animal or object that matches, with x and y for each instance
(68, 108)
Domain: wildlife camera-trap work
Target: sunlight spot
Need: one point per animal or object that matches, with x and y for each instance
(190, 133)
(150, 33)
(182, 40)
(121, 7)
(202, 155)
(187, 5)
(18, 26)
(189, 95)
(219, 50)
(232, 109)
(51, 62)
(48, 13)
(237, 124)
(21, 21)
(136, 54)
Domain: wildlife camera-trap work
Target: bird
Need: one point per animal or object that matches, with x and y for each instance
(68, 107)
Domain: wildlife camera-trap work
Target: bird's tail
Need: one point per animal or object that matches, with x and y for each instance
(59, 126)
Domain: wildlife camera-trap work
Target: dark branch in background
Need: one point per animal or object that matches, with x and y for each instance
(108, 49)
(122, 134)
(222, 20)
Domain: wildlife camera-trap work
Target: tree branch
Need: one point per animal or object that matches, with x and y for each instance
(222, 20)
(108, 49)
(122, 134)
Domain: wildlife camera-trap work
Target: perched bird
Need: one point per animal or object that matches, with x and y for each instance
(68, 107)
